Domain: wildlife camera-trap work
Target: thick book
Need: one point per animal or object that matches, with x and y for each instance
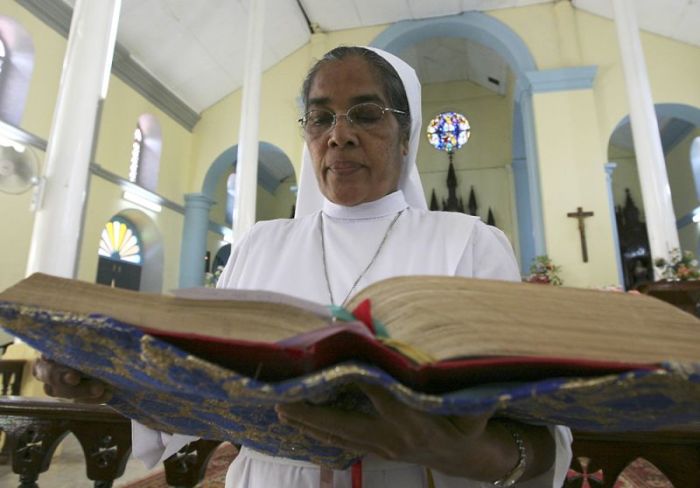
(213, 363)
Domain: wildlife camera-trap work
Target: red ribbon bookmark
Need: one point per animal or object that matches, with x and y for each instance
(326, 475)
(356, 474)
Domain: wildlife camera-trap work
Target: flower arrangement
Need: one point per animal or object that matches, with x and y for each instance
(210, 279)
(681, 265)
(544, 271)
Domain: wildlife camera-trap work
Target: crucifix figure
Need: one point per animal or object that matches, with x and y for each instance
(581, 215)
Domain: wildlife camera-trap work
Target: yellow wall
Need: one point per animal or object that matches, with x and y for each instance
(15, 216)
(484, 162)
(572, 175)
(16, 222)
(572, 128)
(120, 114)
(550, 33)
(673, 67)
(121, 110)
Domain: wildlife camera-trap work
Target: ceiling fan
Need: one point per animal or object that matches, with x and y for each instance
(19, 171)
(18, 168)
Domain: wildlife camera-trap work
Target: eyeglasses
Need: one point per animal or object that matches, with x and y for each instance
(364, 115)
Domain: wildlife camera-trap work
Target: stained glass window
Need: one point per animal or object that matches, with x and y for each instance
(448, 131)
(120, 241)
(136, 149)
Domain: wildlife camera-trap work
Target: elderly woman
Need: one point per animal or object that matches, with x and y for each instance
(362, 217)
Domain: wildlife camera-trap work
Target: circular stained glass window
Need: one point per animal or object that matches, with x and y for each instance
(448, 131)
(119, 241)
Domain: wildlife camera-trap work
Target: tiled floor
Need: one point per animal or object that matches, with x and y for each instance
(67, 470)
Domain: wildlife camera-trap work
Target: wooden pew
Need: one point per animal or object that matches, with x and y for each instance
(34, 427)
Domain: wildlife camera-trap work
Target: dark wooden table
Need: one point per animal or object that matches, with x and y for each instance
(675, 454)
(683, 294)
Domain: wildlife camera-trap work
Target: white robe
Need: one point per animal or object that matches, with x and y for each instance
(286, 256)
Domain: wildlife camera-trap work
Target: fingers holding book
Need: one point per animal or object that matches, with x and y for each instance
(64, 382)
(394, 431)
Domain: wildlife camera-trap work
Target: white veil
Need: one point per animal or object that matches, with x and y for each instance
(309, 197)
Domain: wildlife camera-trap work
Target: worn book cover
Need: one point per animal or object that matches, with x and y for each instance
(214, 363)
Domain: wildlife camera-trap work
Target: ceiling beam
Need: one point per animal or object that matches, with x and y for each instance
(309, 24)
(57, 15)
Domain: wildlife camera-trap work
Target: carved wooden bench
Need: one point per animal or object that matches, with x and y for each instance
(34, 427)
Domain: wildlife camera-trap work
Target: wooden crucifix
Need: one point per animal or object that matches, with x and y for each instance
(581, 215)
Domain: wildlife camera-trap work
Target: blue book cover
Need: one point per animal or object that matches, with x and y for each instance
(164, 386)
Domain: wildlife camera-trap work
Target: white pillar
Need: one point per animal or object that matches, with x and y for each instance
(86, 68)
(656, 191)
(248, 144)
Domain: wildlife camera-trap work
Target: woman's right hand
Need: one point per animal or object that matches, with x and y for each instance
(64, 382)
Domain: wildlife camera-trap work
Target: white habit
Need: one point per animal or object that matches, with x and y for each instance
(286, 256)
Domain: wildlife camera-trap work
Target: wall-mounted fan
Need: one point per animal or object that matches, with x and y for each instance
(18, 168)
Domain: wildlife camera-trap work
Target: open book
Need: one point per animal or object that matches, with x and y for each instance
(214, 363)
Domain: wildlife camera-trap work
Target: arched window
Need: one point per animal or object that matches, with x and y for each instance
(136, 150)
(695, 164)
(144, 163)
(16, 67)
(120, 255)
(120, 241)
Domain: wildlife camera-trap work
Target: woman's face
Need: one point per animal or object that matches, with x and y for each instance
(354, 165)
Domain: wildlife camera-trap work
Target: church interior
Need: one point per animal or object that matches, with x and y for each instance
(580, 130)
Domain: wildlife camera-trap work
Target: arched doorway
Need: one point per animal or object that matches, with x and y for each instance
(275, 197)
(679, 129)
(483, 41)
(275, 177)
(119, 260)
(130, 253)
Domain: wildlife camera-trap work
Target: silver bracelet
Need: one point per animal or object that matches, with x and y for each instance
(517, 472)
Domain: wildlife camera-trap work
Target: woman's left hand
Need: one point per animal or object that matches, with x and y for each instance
(465, 446)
